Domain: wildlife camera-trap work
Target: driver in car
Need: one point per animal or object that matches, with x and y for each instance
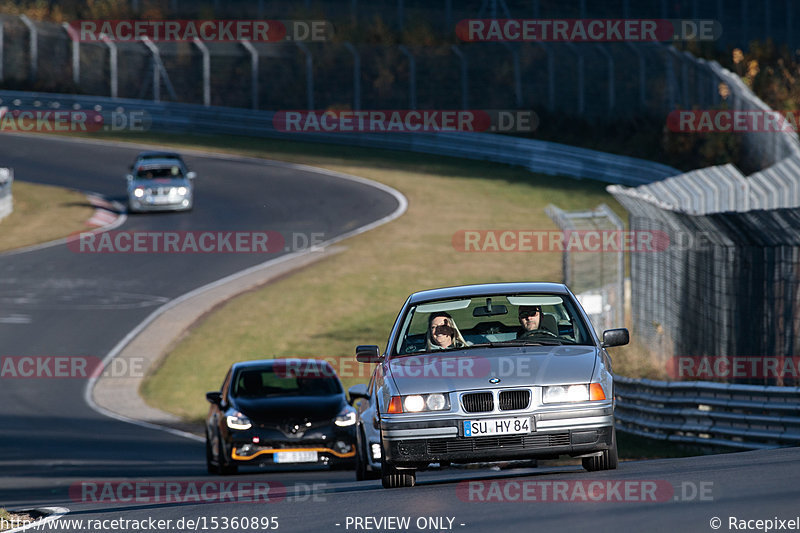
(530, 317)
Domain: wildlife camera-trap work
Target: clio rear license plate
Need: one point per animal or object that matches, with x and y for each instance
(497, 426)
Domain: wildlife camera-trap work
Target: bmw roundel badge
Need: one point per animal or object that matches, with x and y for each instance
(494, 381)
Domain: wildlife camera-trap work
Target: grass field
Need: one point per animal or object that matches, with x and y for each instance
(43, 213)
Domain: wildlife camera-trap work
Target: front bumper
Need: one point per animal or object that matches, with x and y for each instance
(574, 433)
(149, 204)
(333, 446)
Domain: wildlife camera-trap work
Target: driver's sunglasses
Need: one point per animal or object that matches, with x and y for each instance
(526, 314)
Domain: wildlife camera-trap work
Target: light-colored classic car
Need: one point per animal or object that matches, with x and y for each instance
(160, 182)
(483, 373)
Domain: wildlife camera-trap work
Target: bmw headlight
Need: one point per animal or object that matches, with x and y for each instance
(347, 417)
(238, 421)
(138, 192)
(416, 403)
(182, 191)
(573, 393)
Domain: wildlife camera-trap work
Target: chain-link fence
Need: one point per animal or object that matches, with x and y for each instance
(587, 80)
(593, 269)
(728, 285)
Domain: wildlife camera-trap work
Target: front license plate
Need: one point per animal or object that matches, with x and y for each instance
(496, 426)
(295, 457)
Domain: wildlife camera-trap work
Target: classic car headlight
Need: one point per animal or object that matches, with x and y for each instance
(182, 191)
(347, 417)
(416, 403)
(238, 421)
(573, 393)
(138, 192)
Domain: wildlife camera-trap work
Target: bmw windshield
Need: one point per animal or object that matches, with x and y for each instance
(500, 320)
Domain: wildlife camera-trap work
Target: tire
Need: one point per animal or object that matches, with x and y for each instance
(363, 472)
(226, 468)
(210, 466)
(392, 477)
(608, 460)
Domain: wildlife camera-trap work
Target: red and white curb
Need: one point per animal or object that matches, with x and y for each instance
(105, 212)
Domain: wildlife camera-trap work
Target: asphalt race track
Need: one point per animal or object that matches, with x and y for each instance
(55, 450)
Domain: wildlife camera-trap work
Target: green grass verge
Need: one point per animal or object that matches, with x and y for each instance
(43, 213)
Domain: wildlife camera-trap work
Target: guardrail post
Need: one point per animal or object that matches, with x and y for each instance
(34, 46)
(253, 72)
(76, 52)
(610, 61)
(309, 75)
(206, 70)
(113, 71)
(412, 76)
(517, 76)
(356, 76)
(464, 78)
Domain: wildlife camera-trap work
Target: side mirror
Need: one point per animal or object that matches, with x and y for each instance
(616, 337)
(191, 175)
(129, 177)
(214, 397)
(368, 353)
(357, 392)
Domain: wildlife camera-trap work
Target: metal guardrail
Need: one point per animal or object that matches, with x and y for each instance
(6, 200)
(709, 414)
(537, 156)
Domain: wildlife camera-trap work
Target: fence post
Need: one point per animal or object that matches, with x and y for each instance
(206, 70)
(581, 96)
(356, 76)
(34, 46)
(464, 74)
(610, 61)
(76, 52)
(253, 72)
(113, 72)
(309, 75)
(517, 76)
(156, 72)
(642, 73)
(1, 49)
(412, 76)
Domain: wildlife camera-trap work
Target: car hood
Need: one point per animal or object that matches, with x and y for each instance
(472, 369)
(283, 408)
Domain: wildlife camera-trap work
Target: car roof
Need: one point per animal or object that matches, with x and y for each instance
(155, 153)
(269, 363)
(487, 289)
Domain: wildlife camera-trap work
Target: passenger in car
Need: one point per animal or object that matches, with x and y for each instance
(443, 332)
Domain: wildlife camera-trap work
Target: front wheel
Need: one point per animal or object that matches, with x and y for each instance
(608, 460)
